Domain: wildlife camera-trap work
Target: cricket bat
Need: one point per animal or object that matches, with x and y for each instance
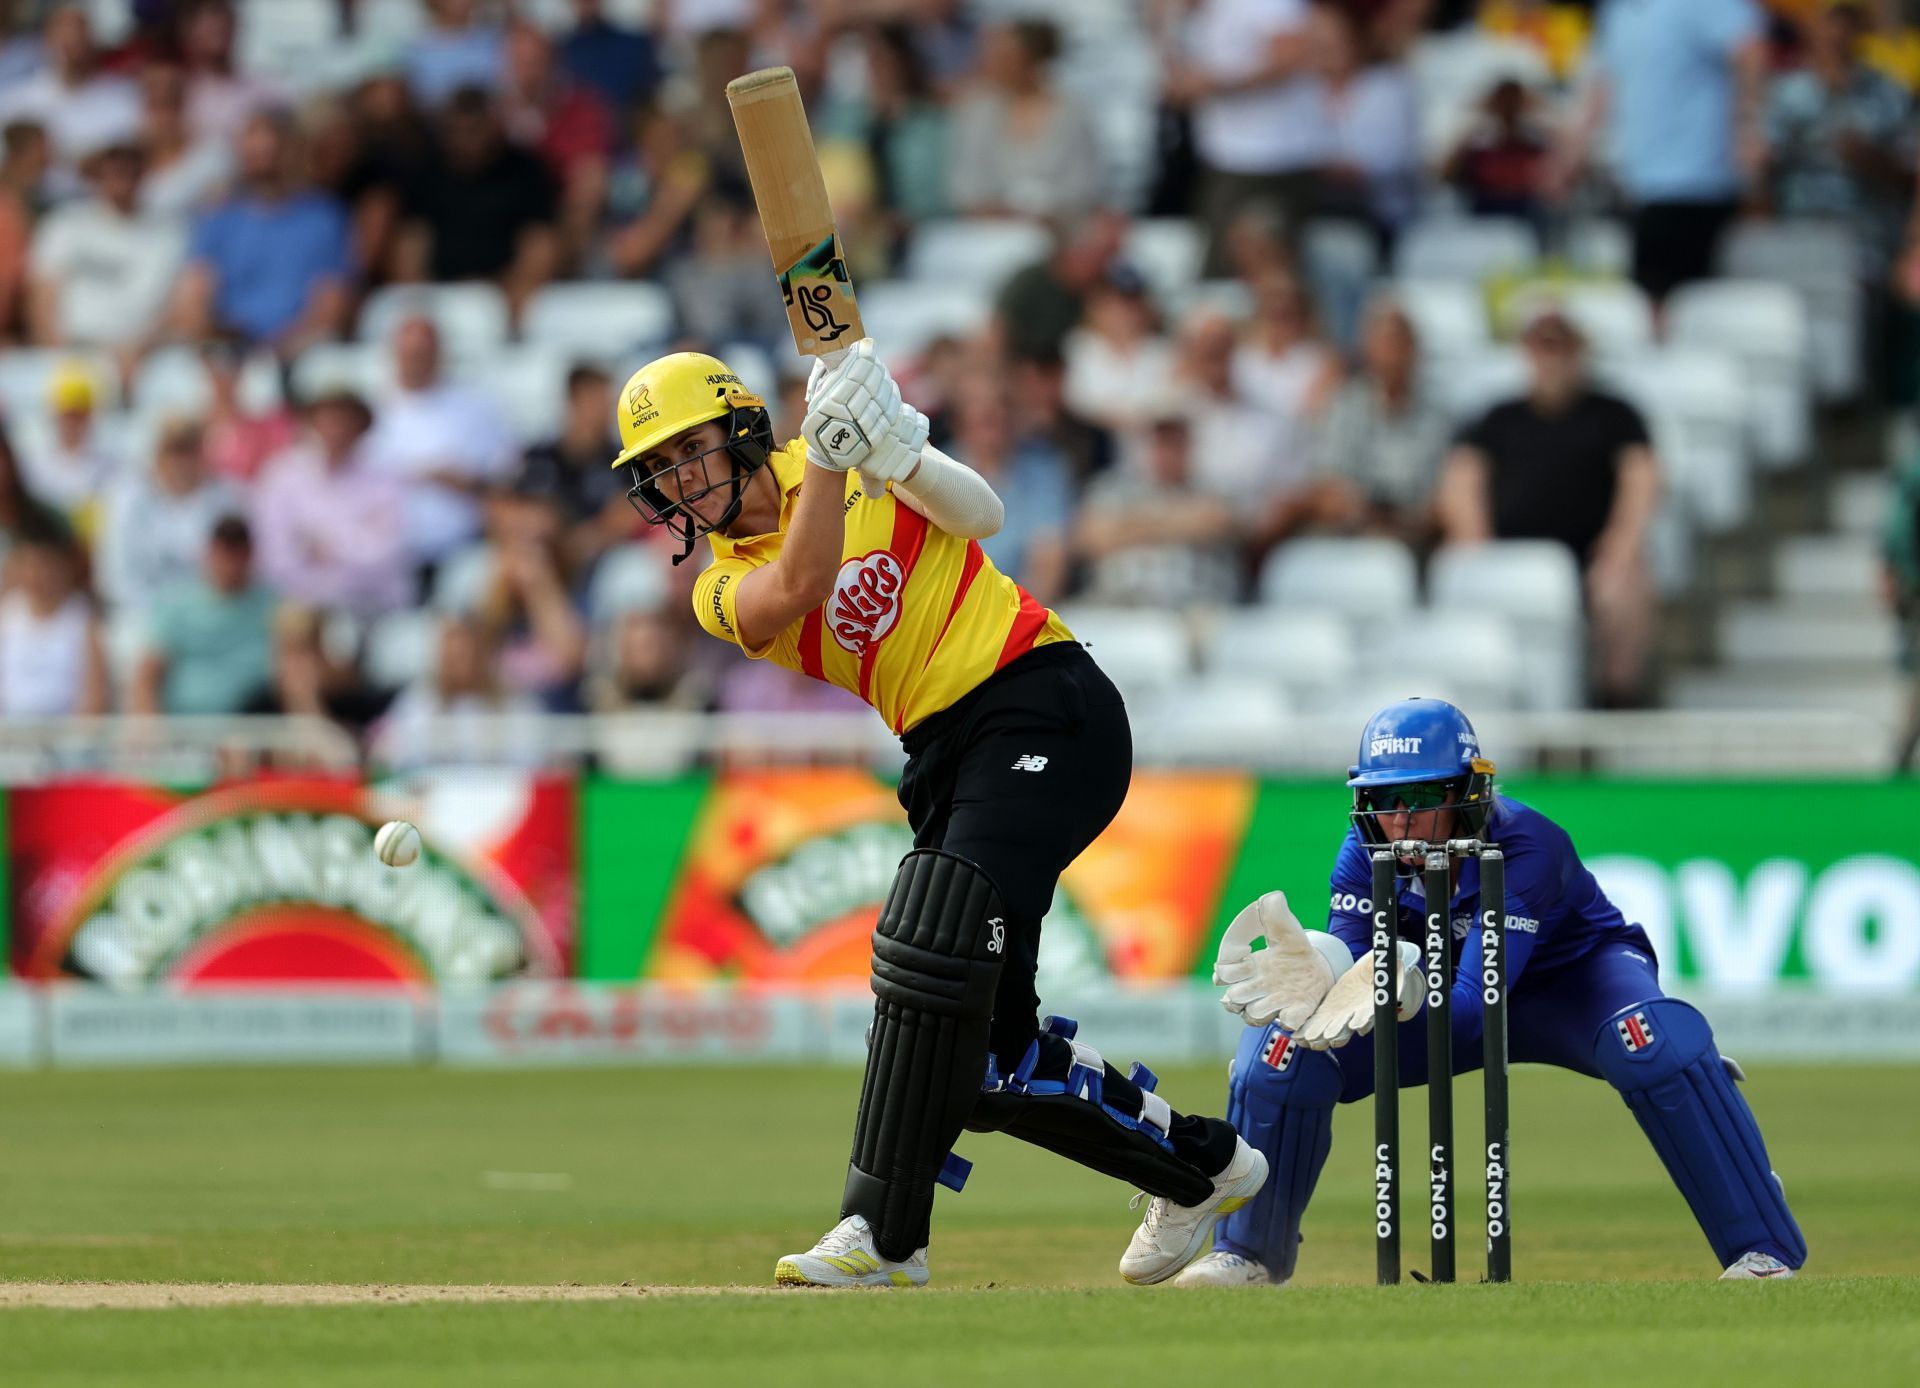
(792, 198)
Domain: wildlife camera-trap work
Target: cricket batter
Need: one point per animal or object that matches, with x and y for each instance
(852, 555)
(1584, 995)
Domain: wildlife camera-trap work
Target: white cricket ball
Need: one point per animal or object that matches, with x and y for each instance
(397, 844)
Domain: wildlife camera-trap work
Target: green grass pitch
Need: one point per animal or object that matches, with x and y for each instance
(703, 1177)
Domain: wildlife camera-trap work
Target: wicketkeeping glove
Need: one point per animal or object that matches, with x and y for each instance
(1284, 982)
(1347, 1010)
(851, 407)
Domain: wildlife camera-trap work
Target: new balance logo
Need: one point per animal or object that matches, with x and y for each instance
(1030, 763)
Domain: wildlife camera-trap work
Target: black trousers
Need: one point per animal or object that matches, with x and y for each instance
(1019, 777)
(1676, 243)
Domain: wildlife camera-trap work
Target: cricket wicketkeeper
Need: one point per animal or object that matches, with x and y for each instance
(1584, 995)
(852, 555)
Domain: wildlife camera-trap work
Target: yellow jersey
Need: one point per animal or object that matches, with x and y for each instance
(917, 618)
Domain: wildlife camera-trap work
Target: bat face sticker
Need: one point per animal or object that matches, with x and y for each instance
(824, 265)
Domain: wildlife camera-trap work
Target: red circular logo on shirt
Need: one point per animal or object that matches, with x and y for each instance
(866, 600)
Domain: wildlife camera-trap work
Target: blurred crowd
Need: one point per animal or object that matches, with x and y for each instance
(382, 556)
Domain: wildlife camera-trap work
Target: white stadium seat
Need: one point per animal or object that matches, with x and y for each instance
(1471, 650)
(632, 577)
(1468, 383)
(1366, 579)
(981, 253)
(527, 384)
(173, 380)
(462, 580)
(1309, 653)
(364, 367)
(26, 372)
(1765, 326)
(1223, 719)
(1168, 252)
(1465, 248)
(1821, 260)
(472, 318)
(1599, 246)
(1535, 584)
(400, 647)
(1699, 411)
(903, 316)
(1142, 651)
(600, 318)
(279, 39)
(1448, 316)
(1613, 315)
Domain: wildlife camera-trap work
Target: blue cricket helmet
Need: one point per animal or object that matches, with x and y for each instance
(1420, 754)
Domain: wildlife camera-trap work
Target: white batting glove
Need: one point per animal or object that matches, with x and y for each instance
(854, 406)
(1283, 982)
(896, 457)
(1347, 1010)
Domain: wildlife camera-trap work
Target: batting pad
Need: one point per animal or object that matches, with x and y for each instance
(1660, 1055)
(937, 954)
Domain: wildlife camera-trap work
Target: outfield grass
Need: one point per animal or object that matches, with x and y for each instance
(705, 1177)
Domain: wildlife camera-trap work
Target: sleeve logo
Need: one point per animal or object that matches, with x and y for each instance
(865, 605)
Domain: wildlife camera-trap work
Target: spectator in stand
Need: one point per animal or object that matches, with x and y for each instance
(155, 521)
(1372, 117)
(1149, 537)
(906, 130)
(23, 170)
(210, 638)
(1261, 135)
(1569, 463)
(622, 65)
(652, 195)
(21, 513)
(566, 124)
(1118, 359)
(68, 468)
(1282, 362)
(220, 99)
(1900, 586)
(52, 664)
(483, 210)
(1239, 446)
(571, 472)
(101, 271)
(1020, 146)
(331, 527)
(459, 710)
(1838, 142)
(459, 49)
(1383, 440)
(1031, 480)
(272, 264)
(1040, 305)
(529, 616)
(443, 442)
(239, 439)
(1558, 31)
(1681, 84)
(720, 285)
(80, 107)
(184, 170)
(642, 662)
(1042, 414)
(393, 147)
(1500, 164)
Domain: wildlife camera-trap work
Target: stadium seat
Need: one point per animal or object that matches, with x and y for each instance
(1822, 261)
(600, 318)
(359, 366)
(1599, 246)
(1308, 653)
(980, 253)
(1698, 403)
(1143, 652)
(400, 648)
(472, 318)
(462, 580)
(756, 368)
(1365, 579)
(173, 380)
(1167, 251)
(1535, 584)
(1452, 73)
(1765, 326)
(1465, 248)
(278, 40)
(1471, 650)
(1614, 316)
(903, 316)
(633, 577)
(390, 22)
(1468, 383)
(1221, 720)
(1448, 316)
(527, 384)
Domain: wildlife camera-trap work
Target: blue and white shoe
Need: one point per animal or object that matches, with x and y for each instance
(1756, 1267)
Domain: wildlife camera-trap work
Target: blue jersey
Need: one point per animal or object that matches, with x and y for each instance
(1556, 913)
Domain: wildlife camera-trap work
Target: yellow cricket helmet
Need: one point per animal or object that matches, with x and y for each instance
(668, 396)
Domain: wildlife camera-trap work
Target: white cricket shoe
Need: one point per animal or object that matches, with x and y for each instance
(1170, 1235)
(846, 1257)
(1755, 1267)
(1223, 1269)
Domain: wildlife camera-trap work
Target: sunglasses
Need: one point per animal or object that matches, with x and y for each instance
(1429, 795)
